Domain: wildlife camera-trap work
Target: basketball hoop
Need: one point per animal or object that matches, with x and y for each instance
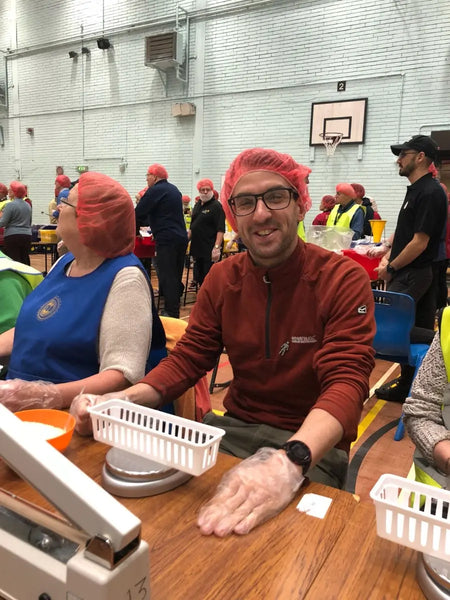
(331, 141)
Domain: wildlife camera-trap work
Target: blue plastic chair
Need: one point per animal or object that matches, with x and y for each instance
(394, 317)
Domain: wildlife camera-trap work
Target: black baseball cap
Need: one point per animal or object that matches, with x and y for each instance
(420, 143)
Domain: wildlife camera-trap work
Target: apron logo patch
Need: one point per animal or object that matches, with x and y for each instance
(48, 309)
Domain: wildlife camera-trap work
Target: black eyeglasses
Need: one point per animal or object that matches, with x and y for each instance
(68, 204)
(274, 199)
(404, 153)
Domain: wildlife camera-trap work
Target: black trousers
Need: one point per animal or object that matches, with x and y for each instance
(17, 247)
(417, 283)
(170, 261)
(202, 266)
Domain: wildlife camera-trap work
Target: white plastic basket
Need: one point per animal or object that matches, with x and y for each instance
(413, 514)
(169, 440)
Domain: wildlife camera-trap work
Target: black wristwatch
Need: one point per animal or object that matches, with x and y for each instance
(390, 269)
(299, 453)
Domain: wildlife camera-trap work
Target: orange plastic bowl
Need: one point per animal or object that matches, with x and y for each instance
(56, 418)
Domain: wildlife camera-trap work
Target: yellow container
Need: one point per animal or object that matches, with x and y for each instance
(377, 226)
(48, 236)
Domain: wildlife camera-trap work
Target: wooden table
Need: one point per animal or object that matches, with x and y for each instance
(291, 556)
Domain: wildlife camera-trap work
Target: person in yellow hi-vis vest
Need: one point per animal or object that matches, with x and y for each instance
(347, 214)
(426, 413)
(301, 231)
(16, 282)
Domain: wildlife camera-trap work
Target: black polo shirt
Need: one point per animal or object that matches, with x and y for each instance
(207, 220)
(424, 210)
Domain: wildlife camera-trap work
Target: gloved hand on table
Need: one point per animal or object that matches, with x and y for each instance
(251, 493)
(80, 404)
(18, 394)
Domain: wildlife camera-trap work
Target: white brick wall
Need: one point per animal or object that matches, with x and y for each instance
(264, 64)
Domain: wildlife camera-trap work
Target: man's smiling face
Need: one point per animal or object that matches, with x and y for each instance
(269, 235)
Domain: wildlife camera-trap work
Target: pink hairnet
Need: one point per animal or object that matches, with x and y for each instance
(205, 183)
(142, 192)
(105, 215)
(260, 159)
(3, 190)
(18, 189)
(158, 171)
(185, 199)
(63, 180)
(346, 189)
(328, 202)
(359, 190)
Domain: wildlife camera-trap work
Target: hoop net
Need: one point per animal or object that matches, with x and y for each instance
(331, 141)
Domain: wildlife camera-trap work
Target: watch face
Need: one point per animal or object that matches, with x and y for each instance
(298, 453)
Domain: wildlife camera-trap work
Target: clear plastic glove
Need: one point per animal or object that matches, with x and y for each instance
(377, 251)
(215, 255)
(80, 404)
(251, 493)
(18, 394)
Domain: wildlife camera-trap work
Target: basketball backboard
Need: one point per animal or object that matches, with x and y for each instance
(345, 116)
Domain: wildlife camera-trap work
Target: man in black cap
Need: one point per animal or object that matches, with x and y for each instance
(415, 244)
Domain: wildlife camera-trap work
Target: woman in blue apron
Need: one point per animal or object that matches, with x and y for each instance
(91, 325)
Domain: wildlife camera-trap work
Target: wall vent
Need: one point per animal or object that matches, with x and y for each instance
(165, 51)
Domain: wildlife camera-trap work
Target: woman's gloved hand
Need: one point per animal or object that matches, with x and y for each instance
(18, 394)
(80, 404)
(251, 493)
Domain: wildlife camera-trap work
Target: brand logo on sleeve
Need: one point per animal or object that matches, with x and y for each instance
(362, 310)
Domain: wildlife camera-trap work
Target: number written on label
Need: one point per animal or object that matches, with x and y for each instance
(139, 590)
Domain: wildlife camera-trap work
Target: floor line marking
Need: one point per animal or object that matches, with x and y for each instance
(380, 382)
(368, 419)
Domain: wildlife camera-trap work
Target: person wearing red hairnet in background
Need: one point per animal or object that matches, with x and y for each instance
(90, 325)
(161, 207)
(299, 345)
(206, 231)
(366, 205)
(4, 199)
(326, 205)
(16, 219)
(347, 214)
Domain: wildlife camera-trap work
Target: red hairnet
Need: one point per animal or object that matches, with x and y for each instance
(3, 190)
(158, 171)
(18, 189)
(261, 159)
(328, 202)
(432, 169)
(346, 189)
(359, 190)
(142, 192)
(105, 215)
(185, 199)
(205, 183)
(63, 180)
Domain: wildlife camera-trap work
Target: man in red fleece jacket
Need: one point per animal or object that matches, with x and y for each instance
(298, 323)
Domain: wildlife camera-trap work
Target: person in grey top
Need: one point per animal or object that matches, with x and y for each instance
(16, 219)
